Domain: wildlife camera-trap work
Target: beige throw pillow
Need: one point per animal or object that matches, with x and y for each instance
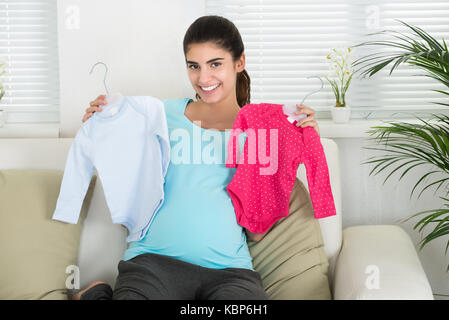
(290, 258)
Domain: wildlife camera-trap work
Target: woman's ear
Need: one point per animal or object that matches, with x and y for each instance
(240, 65)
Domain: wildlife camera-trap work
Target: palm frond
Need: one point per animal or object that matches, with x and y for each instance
(406, 146)
(429, 54)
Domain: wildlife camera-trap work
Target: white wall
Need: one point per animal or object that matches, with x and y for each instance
(141, 42)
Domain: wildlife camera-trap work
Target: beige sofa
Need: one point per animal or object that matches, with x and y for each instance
(365, 262)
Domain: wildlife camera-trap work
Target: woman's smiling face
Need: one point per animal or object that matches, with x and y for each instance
(212, 71)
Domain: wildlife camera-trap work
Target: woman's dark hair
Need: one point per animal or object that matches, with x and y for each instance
(225, 34)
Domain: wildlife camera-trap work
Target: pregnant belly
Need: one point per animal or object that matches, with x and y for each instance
(197, 234)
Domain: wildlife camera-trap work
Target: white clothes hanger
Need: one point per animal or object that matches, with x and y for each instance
(112, 99)
(290, 109)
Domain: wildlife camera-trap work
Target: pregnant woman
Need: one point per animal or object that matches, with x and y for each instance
(194, 248)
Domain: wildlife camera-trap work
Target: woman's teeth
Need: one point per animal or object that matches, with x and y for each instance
(209, 88)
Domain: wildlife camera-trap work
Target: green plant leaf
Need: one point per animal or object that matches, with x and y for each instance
(430, 218)
(442, 231)
(407, 146)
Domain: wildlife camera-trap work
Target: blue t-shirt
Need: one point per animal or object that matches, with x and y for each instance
(197, 222)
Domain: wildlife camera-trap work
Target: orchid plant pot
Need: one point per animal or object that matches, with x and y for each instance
(341, 114)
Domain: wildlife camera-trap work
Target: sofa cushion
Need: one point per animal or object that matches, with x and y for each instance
(290, 258)
(35, 250)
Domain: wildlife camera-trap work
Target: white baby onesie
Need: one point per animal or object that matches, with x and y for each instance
(128, 144)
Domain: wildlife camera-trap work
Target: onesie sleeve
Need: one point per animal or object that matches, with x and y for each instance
(76, 179)
(317, 173)
(160, 128)
(240, 125)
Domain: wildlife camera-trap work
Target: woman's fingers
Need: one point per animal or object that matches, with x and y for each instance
(309, 120)
(309, 123)
(309, 112)
(93, 109)
(101, 99)
(304, 109)
(86, 116)
(94, 106)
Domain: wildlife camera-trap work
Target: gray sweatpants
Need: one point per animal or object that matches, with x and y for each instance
(155, 277)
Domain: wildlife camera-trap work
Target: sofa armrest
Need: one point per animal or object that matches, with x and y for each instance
(379, 262)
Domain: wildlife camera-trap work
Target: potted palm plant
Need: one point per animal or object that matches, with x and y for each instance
(406, 145)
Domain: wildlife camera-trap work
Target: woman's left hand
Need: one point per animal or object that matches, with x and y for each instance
(308, 121)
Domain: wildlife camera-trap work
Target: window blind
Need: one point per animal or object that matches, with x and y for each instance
(28, 46)
(287, 41)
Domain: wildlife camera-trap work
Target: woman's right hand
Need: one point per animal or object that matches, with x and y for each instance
(94, 106)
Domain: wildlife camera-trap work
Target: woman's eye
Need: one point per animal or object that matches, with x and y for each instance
(194, 66)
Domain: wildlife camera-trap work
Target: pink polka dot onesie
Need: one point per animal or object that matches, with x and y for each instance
(266, 171)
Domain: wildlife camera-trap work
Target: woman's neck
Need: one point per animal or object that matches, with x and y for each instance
(219, 116)
(222, 110)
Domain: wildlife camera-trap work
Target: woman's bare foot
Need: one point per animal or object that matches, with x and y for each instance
(77, 296)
